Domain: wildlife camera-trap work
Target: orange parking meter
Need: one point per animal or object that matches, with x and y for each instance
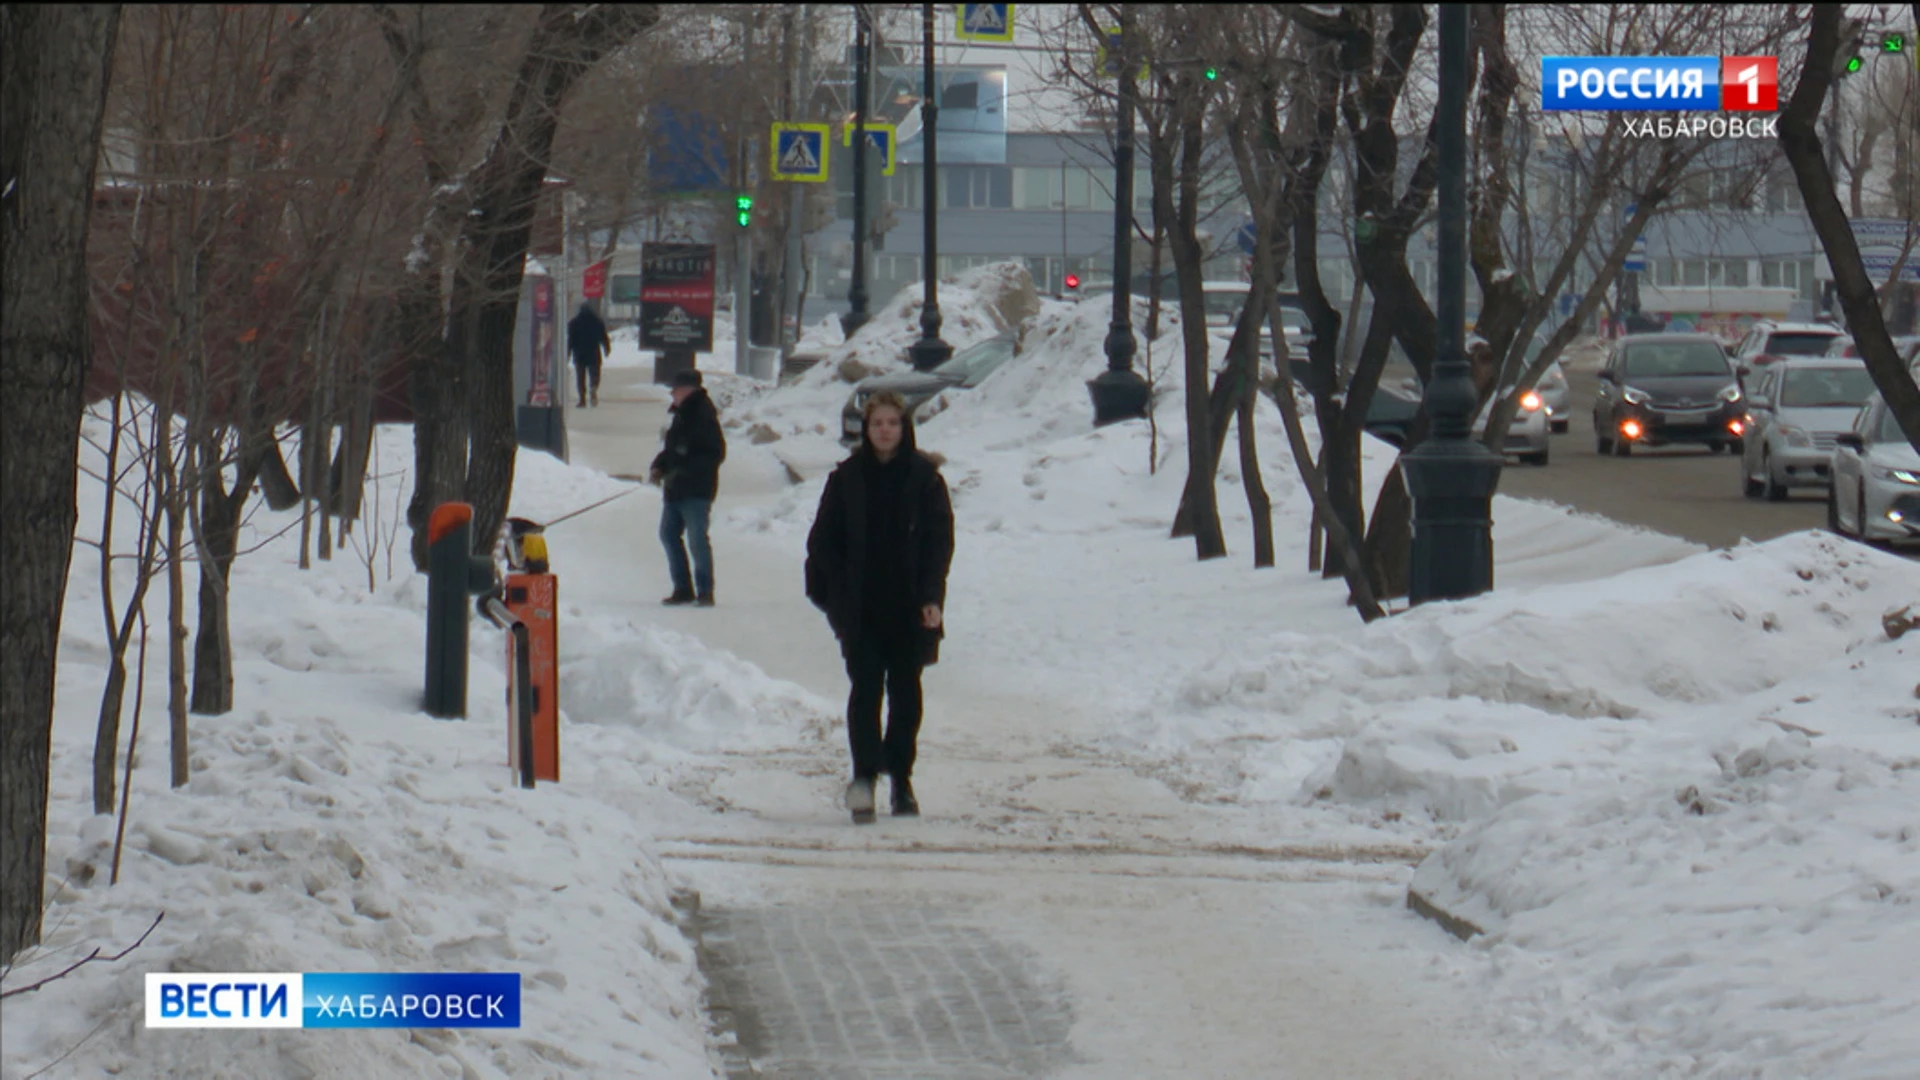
(532, 594)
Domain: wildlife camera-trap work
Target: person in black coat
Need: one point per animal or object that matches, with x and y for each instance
(588, 342)
(688, 470)
(877, 560)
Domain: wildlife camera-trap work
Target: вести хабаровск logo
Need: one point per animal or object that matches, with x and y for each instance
(196, 999)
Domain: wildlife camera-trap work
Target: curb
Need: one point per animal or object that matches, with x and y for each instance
(1451, 923)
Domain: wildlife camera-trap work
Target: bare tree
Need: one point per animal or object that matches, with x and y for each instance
(1800, 140)
(53, 92)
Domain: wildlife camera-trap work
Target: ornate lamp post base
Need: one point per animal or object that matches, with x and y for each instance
(929, 353)
(1119, 395)
(1452, 482)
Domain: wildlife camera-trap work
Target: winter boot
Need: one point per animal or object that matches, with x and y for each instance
(680, 597)
(703, 600)
(860, 800)
(904, 804)
(596, 397)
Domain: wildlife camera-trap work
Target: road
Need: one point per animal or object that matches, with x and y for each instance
(1684, 491)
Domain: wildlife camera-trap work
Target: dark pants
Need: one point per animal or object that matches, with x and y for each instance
(876, 660)
(585, 375)
(688, 518)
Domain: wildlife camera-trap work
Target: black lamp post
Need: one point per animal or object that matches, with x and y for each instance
(856, 315)
(1119, 393)
(929, 352)
(1451, 475)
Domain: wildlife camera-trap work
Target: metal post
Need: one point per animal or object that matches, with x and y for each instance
(743, 240)
(796, 193)
(929, 352)
(1451, 475)
(856, 315)
(1119, 393)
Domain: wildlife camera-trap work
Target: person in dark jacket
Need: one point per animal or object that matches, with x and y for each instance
(588, 342)
(688, 470)
(877, 561)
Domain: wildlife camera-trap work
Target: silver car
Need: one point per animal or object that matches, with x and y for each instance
(1797, 409)
(1876, 479)
(1554, 396)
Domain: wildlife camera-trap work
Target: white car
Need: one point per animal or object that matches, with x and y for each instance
(1876, 479)
(1796, 411)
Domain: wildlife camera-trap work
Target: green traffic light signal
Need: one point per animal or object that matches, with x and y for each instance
(1854, 64)
(1894, 43)
(1212, 74)
(743, 204)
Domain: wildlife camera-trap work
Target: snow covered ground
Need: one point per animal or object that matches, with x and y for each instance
(1675, 788)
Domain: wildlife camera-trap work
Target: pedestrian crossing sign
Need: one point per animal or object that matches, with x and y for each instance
(800, 152)
(879, 137)
(985, 22)
(1106, 55)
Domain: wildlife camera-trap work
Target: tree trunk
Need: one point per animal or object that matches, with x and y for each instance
(53, 88)
(1258, 503)
(507, 186)
(1223, 402)
(176, 608)
(212, 693)
(1208, 541)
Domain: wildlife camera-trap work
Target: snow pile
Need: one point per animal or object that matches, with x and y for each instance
(330, 826)
(1748, 911)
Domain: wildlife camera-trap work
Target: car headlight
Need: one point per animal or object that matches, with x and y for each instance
(1530, 401)
(1795, 436)
(1636, 396)
(1898, 476)
(1730, 394)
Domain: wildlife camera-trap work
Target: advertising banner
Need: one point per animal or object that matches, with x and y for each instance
(540, 387)
(676, 296)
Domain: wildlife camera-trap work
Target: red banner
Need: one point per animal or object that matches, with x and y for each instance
(593, 285)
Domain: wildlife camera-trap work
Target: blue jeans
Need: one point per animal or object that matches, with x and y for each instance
(689, 517)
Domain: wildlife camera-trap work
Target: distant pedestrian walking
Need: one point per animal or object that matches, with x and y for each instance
(877, 561)
(688, 470)
(588, 342)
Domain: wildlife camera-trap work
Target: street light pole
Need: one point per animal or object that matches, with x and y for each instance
(1119, 393)
(929, 352)
(1451, 475)
(856, 315)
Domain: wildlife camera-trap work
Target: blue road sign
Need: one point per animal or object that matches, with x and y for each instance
(800, 152)
(1245, 237)
(985, 22)
(880, 137)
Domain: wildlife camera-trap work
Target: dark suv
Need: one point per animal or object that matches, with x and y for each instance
(1667, 388)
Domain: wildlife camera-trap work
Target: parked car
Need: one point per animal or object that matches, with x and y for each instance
(1876, 479)
(1769, 340)
(1796, 409)
(1658, 389)
(965, 370)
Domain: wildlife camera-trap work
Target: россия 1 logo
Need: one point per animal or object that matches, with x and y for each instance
(1660, 83)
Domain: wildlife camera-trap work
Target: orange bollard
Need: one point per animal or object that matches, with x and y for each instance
(533, 599)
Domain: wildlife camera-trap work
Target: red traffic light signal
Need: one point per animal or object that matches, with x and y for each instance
(1073, 281)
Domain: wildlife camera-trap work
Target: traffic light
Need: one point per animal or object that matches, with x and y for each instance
(1854, 64)
(1893, 43)
(1213, 73)
(743, 210)
(1073, 281)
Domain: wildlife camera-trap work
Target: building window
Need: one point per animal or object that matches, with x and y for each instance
(905, 186)
(1733, 273)
(978, 187)
(1693, 272)
(1079, 182)
(1783, 195)
(1037, 189)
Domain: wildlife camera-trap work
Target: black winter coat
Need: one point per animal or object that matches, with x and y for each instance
(587, 338)
(690, 463)
(840, 569)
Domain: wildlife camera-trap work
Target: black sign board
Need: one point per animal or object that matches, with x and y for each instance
(676, 297)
